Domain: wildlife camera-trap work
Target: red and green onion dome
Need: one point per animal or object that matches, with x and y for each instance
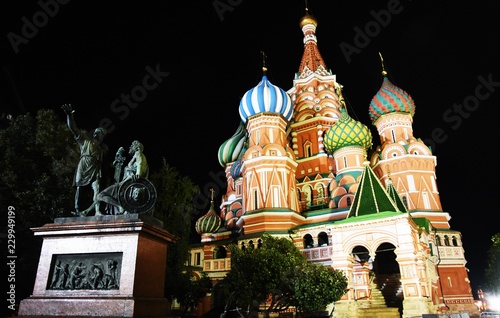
(265, 97)
(232, 148)
(390, 99)
(209, 223)
(347, 132)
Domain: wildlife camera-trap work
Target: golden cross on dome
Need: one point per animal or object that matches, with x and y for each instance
(213, 191)
(384, 73)
(264, 56)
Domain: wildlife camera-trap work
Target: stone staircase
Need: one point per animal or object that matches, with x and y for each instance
(390, 287)
(376, 307)
(384, 302)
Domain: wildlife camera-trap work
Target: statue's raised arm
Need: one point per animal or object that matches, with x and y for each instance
(68, 109)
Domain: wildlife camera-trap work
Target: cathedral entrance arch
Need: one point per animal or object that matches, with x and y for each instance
(388, 276)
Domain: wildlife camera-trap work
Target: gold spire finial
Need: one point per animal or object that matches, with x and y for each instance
(384, 73)
(264, 68)
(307, 7)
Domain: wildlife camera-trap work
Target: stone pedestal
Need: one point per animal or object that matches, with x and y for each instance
(101, 266)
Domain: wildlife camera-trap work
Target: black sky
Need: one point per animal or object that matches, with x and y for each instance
(206, 55)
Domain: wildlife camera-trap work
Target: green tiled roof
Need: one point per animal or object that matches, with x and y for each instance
(371, 198)
(393, 193)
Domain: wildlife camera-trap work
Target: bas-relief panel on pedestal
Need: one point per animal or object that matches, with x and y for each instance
(95, 271)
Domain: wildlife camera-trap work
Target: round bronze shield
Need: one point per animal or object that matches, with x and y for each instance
(137, 196)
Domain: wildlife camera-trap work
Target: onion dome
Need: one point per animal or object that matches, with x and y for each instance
(210, 222)
(232, 148)
(308, 19)
(347, 132)
(265, 97)
(235, 170)
(390, 99)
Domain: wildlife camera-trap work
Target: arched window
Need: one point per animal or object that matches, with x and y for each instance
(220, 252)
(250, 245)
(308, 241)
(446, 240)
(454, 240)
(307, 149)
(360, 254)
(438, 240)
(243, 247)
(322, 239)
(259, 243)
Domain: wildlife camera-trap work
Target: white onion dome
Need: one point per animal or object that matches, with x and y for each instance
(265, 97)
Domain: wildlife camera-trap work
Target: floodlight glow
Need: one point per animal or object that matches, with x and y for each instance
(493, 302)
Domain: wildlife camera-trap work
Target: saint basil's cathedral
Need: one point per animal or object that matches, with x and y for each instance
(300, 167)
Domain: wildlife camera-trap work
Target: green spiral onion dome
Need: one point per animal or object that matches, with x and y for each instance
(390, 99)
(209, 223)
(347, 132)
(232, 148)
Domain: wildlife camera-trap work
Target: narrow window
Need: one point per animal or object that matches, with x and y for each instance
(405, 201)
(427, 203)
(276, 196)
(255, 199)
(411, 183)
(446, 240)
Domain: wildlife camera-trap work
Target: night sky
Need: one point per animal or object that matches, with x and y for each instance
(171, 73)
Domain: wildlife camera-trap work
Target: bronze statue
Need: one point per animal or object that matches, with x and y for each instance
(118, 164)
(135, 193)
(92, 151)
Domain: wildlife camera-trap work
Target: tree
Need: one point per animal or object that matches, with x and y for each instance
(317, 286)
(492, 273)
(175, 207)
(278, 276)
(37, 160)
(191, 290)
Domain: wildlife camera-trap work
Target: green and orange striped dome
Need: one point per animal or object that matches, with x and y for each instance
(390, 99)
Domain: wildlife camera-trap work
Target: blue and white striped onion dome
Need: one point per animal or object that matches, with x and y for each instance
(265, 97)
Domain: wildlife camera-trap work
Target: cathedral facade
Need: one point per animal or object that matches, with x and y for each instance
(299, 166)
